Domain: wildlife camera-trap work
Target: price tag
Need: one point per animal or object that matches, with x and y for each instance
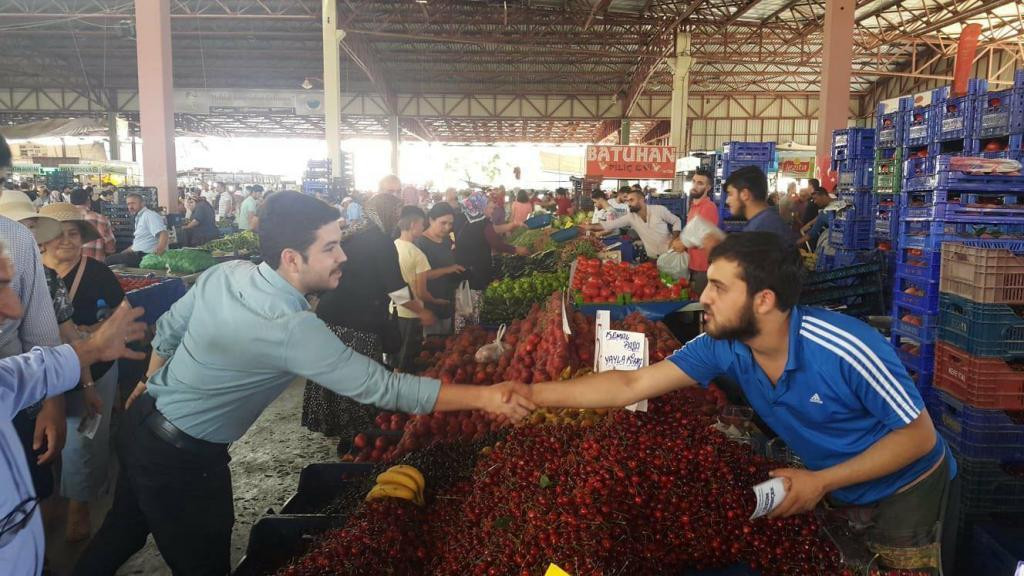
(769, 495)
(566, 329)
(603, 321)
(621, 350)
(555, 571)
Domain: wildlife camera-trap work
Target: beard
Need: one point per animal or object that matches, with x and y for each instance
(744, 329)
(697, 196)
(634, 209)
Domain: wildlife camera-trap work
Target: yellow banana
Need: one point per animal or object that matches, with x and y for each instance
(398, 479)
(411, 472)
(392, 491)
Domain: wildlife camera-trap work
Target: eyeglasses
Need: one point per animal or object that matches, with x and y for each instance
(16, 520)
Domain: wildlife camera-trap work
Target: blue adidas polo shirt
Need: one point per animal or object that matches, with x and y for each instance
(842, 390)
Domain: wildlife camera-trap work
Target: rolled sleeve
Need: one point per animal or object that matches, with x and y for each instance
(314, 352)
(27, 378)
(698, 360)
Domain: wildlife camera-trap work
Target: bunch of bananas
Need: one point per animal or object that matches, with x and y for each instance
(401, 481)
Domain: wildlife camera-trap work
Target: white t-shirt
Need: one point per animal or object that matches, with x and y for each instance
(656, 232)
(600, 215)
(617, 209)
(412, 261)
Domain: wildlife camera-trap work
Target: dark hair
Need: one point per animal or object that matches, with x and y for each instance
(562, 191)
(598, 194)
(815, 183)
(5, 153)
(820, 192)
(624, 189)
(257, 188)
(442, 209)
(289, 220)
(766, 262)
(522, 196)
(409, 215)
(705, 173)
(80, 197)
(752, 179)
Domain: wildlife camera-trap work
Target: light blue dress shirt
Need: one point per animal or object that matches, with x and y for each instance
(238, 338)
(148, 226)
(354, 212)
(25, 380)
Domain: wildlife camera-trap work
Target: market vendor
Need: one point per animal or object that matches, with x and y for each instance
(150, 234)
(206, 387)
(831, 387)
(655, 224)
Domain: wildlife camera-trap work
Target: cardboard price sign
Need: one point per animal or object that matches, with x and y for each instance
(632, 162)
(620, 350)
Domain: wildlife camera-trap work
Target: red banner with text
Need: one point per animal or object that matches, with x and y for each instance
(632, 162)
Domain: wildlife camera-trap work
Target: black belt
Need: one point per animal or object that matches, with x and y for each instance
(163, 429)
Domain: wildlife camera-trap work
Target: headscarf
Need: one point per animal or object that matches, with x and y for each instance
(473, 207)
(382, 211)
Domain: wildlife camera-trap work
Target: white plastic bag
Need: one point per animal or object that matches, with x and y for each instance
(675, 264)
(464, 299)
(697, 229)
(492, 352)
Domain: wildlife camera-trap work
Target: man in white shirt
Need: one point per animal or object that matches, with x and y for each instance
(150, 234)
(619, 204)
(602, 211)
(655, 225)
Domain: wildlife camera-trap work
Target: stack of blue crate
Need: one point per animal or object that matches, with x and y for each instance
(998, 126)
(736, 155)
(853, 158)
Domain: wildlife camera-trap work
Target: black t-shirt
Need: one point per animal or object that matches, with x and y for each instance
(810, 211)
(207, 229)
(98, 283)
(440, 255)
(360, 301)
(474, 252)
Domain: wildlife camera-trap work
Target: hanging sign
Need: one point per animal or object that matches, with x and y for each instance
(798, 168)
(632, 162)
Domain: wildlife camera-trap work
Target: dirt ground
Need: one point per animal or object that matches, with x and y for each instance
(265, 466)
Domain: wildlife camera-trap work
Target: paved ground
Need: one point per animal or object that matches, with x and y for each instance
(265, 467)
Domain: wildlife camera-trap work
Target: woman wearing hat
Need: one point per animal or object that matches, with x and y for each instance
(92, 287)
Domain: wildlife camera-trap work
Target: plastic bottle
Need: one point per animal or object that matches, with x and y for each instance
(102, 310)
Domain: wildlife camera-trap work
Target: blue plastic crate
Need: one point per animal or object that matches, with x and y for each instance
(855, 174)
(1001, 112)
(918, 126)
(851, 233)
(996, 548)
(625, 246)
(983, 330)
(918, 263)
(1012, 147)
(938, 173)
(930, 234)
(727, 166)
(914, 353)
(864, 204)
(954, 207)
(889, 125)
(538, 221)
(922, 332)
(749, 151)
(675, 204)
(955, 118)
(853, 144)
(915, 291)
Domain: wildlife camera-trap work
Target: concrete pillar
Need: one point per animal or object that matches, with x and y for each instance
(156, 99)
(624, 132)
(332, 83)
(112, 135)
(836, 65)
(396, 140)
(680, 93)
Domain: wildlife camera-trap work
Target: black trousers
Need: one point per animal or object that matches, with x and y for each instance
(182, 496)
(129, 259)
(42, 475)
(411, 330)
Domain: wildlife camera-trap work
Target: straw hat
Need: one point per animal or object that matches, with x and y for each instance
(16, 206)
(64, 212)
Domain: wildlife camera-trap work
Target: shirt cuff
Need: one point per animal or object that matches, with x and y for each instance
(67, 370)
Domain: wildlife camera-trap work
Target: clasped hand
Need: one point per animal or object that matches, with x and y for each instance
(509, 401)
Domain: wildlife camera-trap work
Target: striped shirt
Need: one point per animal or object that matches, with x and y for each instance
(38, 324)
(843, 389)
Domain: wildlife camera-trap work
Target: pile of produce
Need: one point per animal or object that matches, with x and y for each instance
(129, 283)
(537, 240)
(635, 493)
(183, 261)
(507, 300)
(564, 222)
(580, 247)
(512, 266)
(622, 283)
(244, 241)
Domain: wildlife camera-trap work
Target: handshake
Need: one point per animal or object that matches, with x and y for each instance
(510, 400)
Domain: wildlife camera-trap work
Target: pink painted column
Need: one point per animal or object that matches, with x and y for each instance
(156, 99)
(836, 65)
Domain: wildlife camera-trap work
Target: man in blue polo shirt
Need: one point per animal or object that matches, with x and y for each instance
(829, 385)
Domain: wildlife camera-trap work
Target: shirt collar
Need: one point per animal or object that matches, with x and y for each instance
(793, 354)
(282, 285)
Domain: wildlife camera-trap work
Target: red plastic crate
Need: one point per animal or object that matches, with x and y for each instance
(980, 382)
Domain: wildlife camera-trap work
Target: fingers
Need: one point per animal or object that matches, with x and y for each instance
(524, 403)
(51, 446)
(38, 437)
(130, 354)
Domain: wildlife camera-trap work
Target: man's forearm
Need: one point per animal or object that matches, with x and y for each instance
(893, 452)
(161, 245)
(459, 397)
(604, 390)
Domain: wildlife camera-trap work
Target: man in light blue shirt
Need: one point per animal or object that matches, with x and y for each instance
(353, 211)
(206, 387)
(150, 234)
(27, 379)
